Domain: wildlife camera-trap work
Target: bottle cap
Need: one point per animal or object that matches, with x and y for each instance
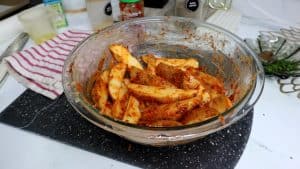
(130, 1)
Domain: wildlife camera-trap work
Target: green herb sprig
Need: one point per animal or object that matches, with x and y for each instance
(282, 67)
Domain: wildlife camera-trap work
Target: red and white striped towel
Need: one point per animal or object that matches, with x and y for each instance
(40, 67)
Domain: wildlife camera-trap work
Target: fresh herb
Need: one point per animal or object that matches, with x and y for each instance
(282, 66)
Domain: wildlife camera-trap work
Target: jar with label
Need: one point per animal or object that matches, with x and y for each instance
(131, 9)
(191, 8)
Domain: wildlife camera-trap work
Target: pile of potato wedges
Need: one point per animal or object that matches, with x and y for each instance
(166, 92)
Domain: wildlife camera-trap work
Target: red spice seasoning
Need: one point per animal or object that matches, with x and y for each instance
(131, 9)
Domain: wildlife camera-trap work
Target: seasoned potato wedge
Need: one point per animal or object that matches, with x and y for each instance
(105, 76)
(220, 103)
(190, 82)
(171, 74)
(99, 92)
(199, 114)
(150, 63)
(123, 91)
(207, 81)
(159, 94)
(151, 69)
(116, 77)
(180, 63)
(146, 78)
(90, 84)
(132, 114)
(119, 105)
(117, 110)
(121, 54)
(181, 79)
(150, 59)
(144, 104)
(107, 111)
(172, 111)
(103, 90)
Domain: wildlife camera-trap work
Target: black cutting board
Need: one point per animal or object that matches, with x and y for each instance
(57, 120)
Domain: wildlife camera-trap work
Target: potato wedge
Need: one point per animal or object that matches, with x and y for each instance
(173, 111)
(103, 90)
(150, 63)
(220, 103)
(159, 94)
(132, 114)
(145, 104)
(119, 105)
(182, 79)
(182, 63)
(105, 76)
(99, 92)
(150, 59)
(171, 74)
(116, 77)
(151, 69)
(190, 82)
(199, 114)
(90, 84)
(123, 91)
(117, 111)
(100, 88)
(121, 54)
(146, 78)
(107, 111)
(207, 81)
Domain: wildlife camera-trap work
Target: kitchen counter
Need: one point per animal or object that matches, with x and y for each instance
(273, 141)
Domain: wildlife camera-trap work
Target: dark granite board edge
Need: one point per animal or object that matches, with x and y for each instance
(58, 120)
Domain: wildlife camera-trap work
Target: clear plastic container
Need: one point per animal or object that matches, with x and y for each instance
(99, 12)
(38, 23)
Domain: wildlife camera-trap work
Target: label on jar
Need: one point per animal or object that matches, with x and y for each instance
(192, 5)
(131, 10)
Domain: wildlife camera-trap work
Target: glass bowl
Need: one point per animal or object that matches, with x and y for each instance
(222, 54)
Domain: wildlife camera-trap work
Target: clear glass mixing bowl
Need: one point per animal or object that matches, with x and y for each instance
(222, 53)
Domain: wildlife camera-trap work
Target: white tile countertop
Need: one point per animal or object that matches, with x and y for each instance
(274, 139)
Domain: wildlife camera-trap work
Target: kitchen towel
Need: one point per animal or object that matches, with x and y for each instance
(40, 67)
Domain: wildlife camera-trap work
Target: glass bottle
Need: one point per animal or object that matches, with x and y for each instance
(220, 4)
(131, 9)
